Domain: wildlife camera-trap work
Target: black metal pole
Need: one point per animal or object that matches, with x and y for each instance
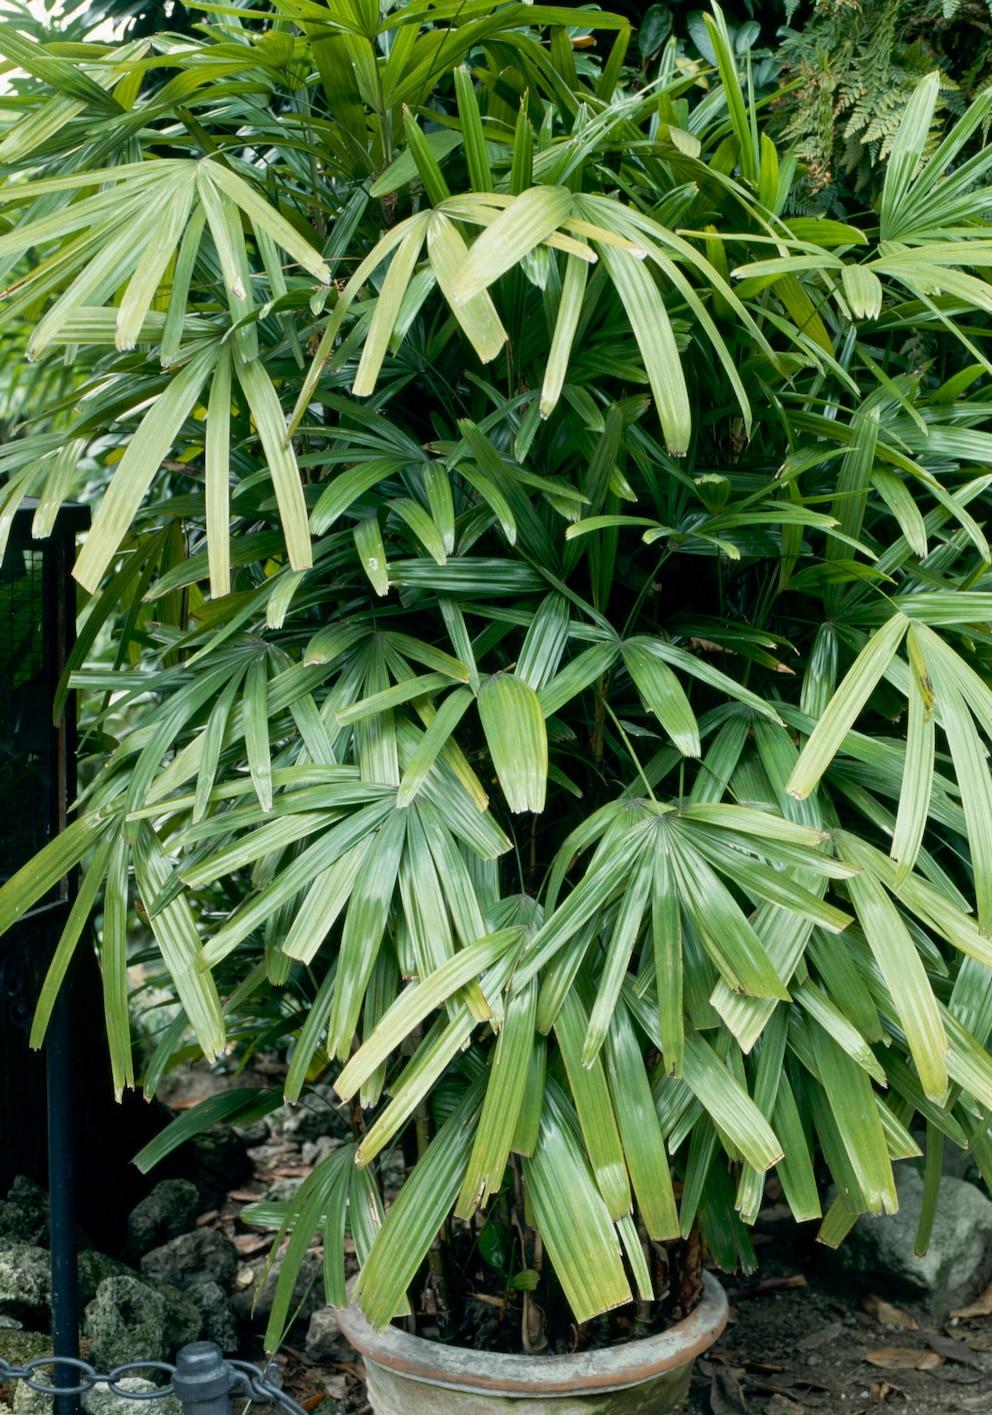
(60, 621)
(61, 1190)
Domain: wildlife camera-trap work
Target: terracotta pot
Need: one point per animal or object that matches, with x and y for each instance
(409, 1376)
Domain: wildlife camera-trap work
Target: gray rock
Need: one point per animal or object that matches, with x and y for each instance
(32, 1402)
(24, 1213)
(254, 1134)
(101, 1401)
(216, 1161)
(308, 1120)
(169, 1210)
(93, 1268)
(218, 1322)
(255, 1302)
(316, 1151)
(201, 1256)
(25, 1280)
(182, 1317)
(126, 1322)
(324, 1339)
(958, 1264)
(958, 1163)
(19, 1347)
(280, 1190)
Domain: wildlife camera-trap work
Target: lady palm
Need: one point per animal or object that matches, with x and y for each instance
(546, 610)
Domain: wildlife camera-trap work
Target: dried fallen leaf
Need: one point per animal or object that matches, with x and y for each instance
(726, 1396)
(244, 1196)
(297, 1354)
(532, 1329)
(955, 1351)
(820, 1337)
(881, 1390)
(249, 1243)
(886, 1313)
(760, 1387)
(770, 1284)
(782, 1405)
(903, 1358)
(355, 1369)
(981, 1307)
(780, 1284)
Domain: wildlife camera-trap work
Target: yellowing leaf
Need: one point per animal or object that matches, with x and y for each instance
(517, 738)
(533, 215)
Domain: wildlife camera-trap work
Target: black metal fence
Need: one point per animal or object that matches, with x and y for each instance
(203, 1380)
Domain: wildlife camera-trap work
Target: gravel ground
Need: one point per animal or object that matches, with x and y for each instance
(807, 1348)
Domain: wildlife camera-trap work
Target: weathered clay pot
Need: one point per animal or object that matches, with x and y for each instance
(409, 1376)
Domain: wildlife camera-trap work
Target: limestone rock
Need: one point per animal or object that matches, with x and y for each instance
(958, 1264)
(19, 1347)
(182, 1317)
(24, 1213)
(101, 1401)
(312, 1117)
(218, 1322)
(201, 1256)
(254, 1134)
(126, 1322)
(32, 1402)
(325, 1341)
(309, 1290)
(25, 1280)
(169, 1210)
(93, 1268)
(216, 1161)
(316, 1151)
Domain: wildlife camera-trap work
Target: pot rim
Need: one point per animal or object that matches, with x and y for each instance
(586, 1372)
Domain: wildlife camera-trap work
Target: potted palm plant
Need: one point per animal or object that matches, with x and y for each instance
(535, 624)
